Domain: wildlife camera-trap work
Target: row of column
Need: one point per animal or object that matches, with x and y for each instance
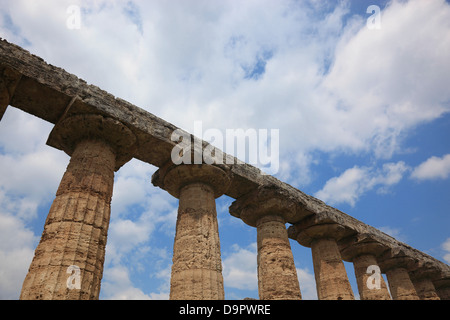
(75, 232)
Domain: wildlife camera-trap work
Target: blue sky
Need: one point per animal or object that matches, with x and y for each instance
(363, 117)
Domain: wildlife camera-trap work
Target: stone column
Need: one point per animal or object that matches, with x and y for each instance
(371, 285)
(422, 280)
(197, 264)
(425, 289)
(363, 252)
(331, 277)
(396, 268)
(443, 288)
(277, 275)
(68, 262)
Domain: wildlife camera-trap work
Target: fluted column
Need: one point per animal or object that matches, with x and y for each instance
(277, 275)
(425, 289)
(443, 288)
(197, 264)
(422, 279)
(396, 266)
(68, 262)
(371, 285)
(362, 251)
(331, 277)
(401, 285)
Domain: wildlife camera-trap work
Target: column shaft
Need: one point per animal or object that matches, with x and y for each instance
(443, 293)
(277, 275)
(375, 291)
(400, 284)
(331, 278)
(425, 289)
(197, 266)
(76, 229)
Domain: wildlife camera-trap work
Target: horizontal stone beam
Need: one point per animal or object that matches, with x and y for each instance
(52, 94)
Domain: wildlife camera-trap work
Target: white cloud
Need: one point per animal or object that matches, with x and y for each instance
(240, 268)
(118, 286)
(393, 232)
(17, 244)
(433, 168)
(307, 284)
(186, 62)
(356, 181)
(446, 247)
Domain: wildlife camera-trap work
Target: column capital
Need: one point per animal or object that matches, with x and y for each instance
(173, 178)
(312, 228)
(360, 244)
(396, 258)
(266, 201)
(69, 131)
(426, 271)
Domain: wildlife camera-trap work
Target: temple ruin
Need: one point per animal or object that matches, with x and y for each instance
(101, 133)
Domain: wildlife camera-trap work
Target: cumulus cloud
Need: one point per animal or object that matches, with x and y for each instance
(118, 286)
(306, 68)
(326, 80)
(432, 169)
(446, 247)
(29, 176)
(17, 244)
(307, 284)
(356, 181)
(240, 268)
(375, 74)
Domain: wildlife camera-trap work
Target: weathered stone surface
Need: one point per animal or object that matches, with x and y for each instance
(71, 130)
(363, 251)
(46, 92)
(361, 263)
(277, 275)
(360, 244)
(331, 277)
(307, 231)
(425, 289)
(397, 265)
(400, 284)
(443, 288)
(76, 228)
(268, 211)
(266, 201)
(197, 264)
(173, 178)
